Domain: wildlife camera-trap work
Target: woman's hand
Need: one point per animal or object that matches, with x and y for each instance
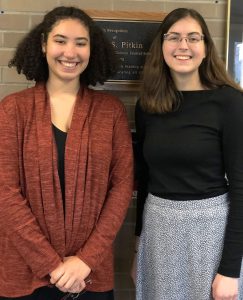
(133, 272)
(225, 288)
(134, 269)
(70, 275)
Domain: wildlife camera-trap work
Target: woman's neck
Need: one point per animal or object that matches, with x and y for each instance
(188, 82)
(55, 88)
(62, 97)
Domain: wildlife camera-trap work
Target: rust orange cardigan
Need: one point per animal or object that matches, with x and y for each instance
(34, 235)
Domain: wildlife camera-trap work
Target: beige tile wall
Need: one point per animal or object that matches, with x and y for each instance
(18, 16)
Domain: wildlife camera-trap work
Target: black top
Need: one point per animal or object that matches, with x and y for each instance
(187, 154)
(60, 137)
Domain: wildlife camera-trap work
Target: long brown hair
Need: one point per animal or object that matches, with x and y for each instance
(159, 93)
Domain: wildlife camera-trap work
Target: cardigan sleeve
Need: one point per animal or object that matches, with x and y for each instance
(17, 222)
(118, 196)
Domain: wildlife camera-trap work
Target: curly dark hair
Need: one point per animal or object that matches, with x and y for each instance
(29, 59)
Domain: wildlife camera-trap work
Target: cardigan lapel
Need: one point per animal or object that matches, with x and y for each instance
(76, 160)
(49, 180)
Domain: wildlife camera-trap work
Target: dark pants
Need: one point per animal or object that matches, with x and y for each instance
(46, 293)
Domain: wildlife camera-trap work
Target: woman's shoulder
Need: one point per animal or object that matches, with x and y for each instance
(231, 102)
(20, 98)
(227, 92)
(140, 112)
(231, 97)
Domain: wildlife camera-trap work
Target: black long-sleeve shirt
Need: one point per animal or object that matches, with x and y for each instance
(194, 153)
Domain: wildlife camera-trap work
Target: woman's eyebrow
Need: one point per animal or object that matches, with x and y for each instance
(193, 32)
(65, 37)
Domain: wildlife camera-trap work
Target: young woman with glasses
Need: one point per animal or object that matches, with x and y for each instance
(189, 123)
(66, 170)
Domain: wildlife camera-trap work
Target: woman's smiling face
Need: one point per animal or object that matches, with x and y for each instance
(67, 50)
(184, 56)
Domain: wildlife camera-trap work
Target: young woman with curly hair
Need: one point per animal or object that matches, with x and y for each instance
(66, 169)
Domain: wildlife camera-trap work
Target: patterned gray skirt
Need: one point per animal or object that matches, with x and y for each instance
(180, 248)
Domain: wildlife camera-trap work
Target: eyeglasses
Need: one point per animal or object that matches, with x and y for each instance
(76, 295)
(176, 38)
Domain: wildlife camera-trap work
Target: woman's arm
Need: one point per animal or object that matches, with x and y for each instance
(141, 169)
(119, 193)
(225, 284)
(17, 222)
(141, 180)
(232, 147)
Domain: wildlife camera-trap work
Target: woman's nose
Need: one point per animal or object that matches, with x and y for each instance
(183, 43)
(70, 50)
